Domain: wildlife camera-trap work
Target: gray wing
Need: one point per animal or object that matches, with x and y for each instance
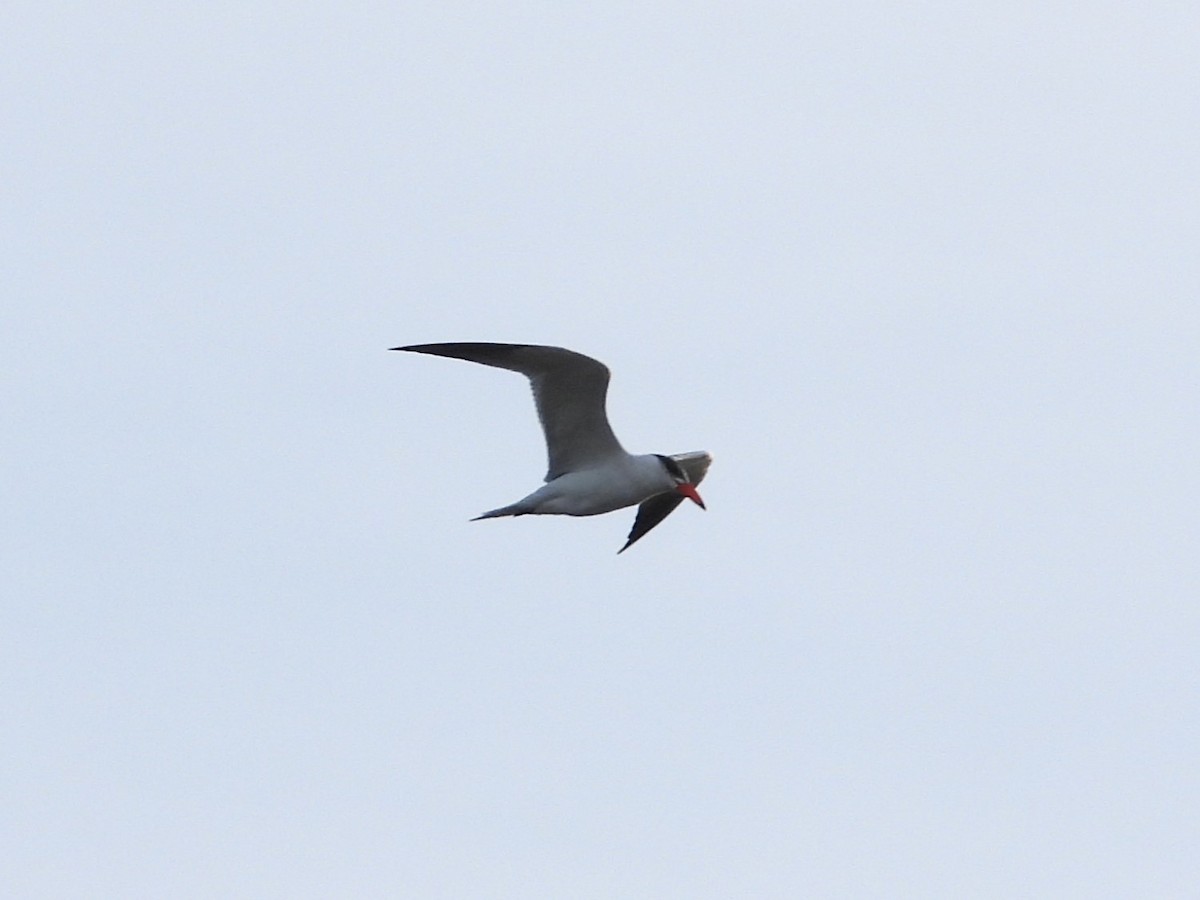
(569, 390)
(658, 507)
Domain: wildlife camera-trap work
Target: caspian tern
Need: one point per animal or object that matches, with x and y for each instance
(590, 472)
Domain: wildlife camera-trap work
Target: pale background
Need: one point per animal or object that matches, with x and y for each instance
(922, 277)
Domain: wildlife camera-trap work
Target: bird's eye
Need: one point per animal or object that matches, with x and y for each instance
(673, 469)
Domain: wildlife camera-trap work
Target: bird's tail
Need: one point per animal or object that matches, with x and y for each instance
(514, 509)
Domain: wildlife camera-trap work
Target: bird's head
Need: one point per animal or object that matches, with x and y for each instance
(683, 484)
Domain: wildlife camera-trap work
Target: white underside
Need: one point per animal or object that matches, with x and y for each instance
(623, 481)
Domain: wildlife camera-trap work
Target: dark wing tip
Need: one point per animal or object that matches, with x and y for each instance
(650, 513)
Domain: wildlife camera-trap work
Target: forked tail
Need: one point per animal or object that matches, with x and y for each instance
(514, 509)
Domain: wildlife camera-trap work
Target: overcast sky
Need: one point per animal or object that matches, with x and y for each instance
(923, 278)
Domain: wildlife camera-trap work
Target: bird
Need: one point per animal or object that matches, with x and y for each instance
(589, 471)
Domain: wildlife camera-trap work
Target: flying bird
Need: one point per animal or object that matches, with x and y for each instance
(590, 472)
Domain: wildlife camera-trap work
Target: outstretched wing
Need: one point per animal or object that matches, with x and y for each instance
(569, 390)
(658, 507)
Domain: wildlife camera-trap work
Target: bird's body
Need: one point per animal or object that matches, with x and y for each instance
(589, 471)
(622, 481)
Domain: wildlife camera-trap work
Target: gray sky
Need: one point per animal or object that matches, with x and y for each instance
(923, 278)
